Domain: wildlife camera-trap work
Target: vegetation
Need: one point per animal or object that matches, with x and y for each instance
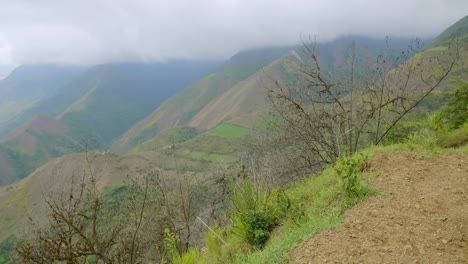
(118, 225)
(25, 87)
(228, 130)
(183, 134)
(456, 32)
(256, 212)
(457, 107)
(309, 164)
(333, 115)
(300, 211)
(208, 157)
(328, 123)
(7, 246)
(32, 148)
(349, 169)
(306, 207)
(95, 106)
(180, 109)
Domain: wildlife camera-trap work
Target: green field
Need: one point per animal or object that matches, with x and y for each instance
(196, 155)
(227, 130)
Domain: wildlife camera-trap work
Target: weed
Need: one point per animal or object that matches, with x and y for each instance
(257, 211)
(228, 130)
(170, 244)
(349, 170)
(455, 138)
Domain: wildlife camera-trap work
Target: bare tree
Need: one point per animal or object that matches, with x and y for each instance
(336, 113)
(85, 227)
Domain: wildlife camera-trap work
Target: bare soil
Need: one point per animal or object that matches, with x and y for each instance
(421, 217)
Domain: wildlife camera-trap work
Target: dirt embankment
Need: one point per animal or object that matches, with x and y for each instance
(422, 217)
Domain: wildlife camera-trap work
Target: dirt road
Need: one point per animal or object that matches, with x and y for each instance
(422, 217)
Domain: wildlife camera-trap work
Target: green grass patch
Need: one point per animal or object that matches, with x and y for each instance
(228, 130)
(298, 213)
(323, 201)
(316, 203)
(434, 51)
(209, 157)
(6, 248)
(215, 144)
(456, 138)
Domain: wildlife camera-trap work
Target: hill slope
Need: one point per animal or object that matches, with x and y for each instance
(211, 102)
(180, 109)
(456, 32)
(93, 110)
(27, 195)
(31, 145)
(27, 86)
(126, 93)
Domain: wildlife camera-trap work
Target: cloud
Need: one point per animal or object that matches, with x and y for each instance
(101, 31)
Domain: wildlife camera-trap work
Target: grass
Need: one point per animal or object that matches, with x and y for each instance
(314, 204)
(214, 144)
(324, 202)
(184, 105)
(319, 202)
(19, 200)
(209, 157)
(434, 51)
(455, 138)
(228, 130)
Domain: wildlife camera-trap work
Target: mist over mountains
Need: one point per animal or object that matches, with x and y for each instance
(192, 110)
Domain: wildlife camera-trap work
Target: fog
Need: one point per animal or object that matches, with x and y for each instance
(100, 31)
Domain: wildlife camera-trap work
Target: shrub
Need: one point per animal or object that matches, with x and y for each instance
(189, 257)
(349, 170)
(456, 138)
(256, 212)
(457, 106)
(435, 121)
(170, 244)
(7, 247)
(401, 131)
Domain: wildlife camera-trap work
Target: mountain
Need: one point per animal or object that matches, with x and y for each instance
(452, 42)
(457, 32)
(17, 199)
(32, 144)
(27, 86)
(25, 197)
(180, 109)
(92, 110)
(239, 89)
(5, 70)
(193, 131)
(126, 93)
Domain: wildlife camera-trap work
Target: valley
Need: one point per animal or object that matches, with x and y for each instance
(162, 145)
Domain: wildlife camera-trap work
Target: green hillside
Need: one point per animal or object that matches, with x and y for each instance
(180, 109)
(455, 37)
(94, 109)
(26, 195)
(125, 94)
(456, 32)
(32, 145)
(26, 87)
(21, 197)
(244, 100)
(277, 225)
(198, 136)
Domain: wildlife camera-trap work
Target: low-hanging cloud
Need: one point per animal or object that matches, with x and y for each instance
(101, 31)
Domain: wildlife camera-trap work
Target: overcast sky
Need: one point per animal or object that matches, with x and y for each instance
(100, 31)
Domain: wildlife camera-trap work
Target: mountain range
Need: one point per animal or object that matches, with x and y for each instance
(188, 116)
